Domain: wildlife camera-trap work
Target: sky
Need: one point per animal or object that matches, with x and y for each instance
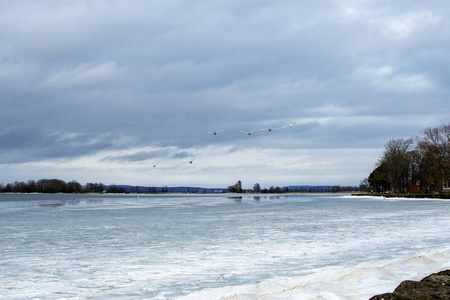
(101, 91)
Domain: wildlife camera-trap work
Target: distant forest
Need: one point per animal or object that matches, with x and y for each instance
(237, 188)
(51, 186)
(60, 186)
(413, 165)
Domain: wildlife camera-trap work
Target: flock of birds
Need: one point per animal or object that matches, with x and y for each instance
(250, 132)
(246, 132)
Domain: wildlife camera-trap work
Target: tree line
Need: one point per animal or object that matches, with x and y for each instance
(60, 186)
(51, 186)
(237, 188)
(418, 164)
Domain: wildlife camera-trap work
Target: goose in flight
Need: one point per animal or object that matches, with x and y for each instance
(249, 132)
(289, 125)
(270, 129)
(215, 132)
(157, 163)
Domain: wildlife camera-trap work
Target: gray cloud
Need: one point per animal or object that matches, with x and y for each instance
(154, 157)
(94, 79)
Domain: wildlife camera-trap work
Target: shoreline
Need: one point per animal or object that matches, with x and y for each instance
(418, 196)
(434, 286)
(362, 281)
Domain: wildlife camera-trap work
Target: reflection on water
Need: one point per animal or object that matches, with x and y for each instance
(237, 198)
(259, 197)
(52, 204)
(59, 203)
(94, 201)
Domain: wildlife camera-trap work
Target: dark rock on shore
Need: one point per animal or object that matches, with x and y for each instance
(435, 286)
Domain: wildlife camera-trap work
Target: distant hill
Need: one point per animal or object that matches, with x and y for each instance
(60, 186)
(146, 189)
(185, 189)
(320, 188)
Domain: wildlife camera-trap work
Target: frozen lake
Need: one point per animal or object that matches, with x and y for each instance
(288, 246)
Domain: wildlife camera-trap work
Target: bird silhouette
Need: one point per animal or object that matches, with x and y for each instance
(270, 129)
(248, 132)
(215, 132)
(192, 160)
(157, 163)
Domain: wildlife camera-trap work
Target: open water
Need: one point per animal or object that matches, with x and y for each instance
(293, 246)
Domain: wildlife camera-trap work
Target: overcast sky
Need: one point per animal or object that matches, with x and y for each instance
(100, 91)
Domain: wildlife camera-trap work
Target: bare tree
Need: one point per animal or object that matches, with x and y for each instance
(436, 146)
(378, 179)
(397, 162)
(364, 185)
(236, 188)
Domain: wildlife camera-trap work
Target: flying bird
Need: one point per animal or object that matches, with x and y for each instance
(192, 160)
(155, 164)
(215, 132)
(249, 132)
(289, 125)
(270, 129)
(158, 162)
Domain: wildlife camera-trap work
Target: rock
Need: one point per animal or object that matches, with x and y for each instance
(433, 287)
(388, 296)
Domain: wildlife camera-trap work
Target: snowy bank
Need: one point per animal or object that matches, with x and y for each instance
(360, 282)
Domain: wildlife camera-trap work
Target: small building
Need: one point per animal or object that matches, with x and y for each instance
(417, 186)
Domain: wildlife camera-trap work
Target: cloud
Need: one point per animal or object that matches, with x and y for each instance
(153, 156)
(28, 144)
(83, 76)
(103, 89)
(405, 25)
(388, 79)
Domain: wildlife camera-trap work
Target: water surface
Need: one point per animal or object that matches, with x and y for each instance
(163, 247)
